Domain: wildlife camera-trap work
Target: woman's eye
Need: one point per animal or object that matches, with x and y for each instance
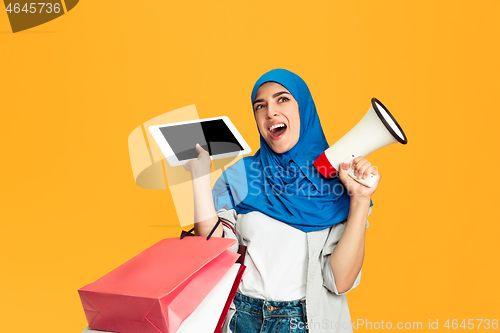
(258, 107)
(285, 98)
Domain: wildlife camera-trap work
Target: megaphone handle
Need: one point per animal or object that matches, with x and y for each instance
(369, 181)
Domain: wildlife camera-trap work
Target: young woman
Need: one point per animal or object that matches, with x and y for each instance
(304, 234)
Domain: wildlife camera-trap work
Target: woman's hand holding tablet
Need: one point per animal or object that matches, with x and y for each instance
(201, 166)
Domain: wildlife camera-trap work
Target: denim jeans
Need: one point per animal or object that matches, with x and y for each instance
(256, 315)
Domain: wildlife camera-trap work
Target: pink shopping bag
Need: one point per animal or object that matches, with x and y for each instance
(160, 287)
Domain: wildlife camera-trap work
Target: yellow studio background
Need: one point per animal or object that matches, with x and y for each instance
(73, 89)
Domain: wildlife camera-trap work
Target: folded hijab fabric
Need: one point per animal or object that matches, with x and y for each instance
(286, 186)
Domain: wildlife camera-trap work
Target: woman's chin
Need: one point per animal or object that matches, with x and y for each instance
(279, 148)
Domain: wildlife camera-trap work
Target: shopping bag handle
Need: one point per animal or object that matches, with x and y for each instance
(190, 232)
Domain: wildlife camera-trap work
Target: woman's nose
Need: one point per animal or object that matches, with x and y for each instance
(272, 111)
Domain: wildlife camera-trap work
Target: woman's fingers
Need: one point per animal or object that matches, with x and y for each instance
(199, 148)
(345, 166)
(343, 171)
(368, 172)
(364, 171)
(200, 166)
(357, 159)
(202, 153)
(360, 165)
(363, 168)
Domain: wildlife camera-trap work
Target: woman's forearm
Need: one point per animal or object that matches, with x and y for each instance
(205, 216)
(347, 257)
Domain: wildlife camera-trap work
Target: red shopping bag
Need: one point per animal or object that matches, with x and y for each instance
(160, 287)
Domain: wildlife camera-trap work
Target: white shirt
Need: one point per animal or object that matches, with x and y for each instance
(327, 309)
(276, 258)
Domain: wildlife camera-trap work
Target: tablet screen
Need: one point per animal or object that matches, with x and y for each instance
(213, 135)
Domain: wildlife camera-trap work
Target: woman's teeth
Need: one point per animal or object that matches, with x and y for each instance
(277, 130)
(276, 126)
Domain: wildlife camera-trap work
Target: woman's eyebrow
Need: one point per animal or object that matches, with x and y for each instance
(274, 96)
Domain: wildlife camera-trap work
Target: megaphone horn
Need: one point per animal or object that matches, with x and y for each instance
(377, 129)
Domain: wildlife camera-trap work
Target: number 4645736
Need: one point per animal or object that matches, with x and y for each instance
(472, 323)
(34, 8)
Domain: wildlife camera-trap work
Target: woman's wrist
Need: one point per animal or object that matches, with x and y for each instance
(358, 209)
(200, 173)
(359, 200)
(202, 186)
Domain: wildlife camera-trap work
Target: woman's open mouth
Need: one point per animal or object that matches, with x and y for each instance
(277, 131)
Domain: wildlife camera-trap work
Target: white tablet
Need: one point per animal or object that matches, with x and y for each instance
(218, 136)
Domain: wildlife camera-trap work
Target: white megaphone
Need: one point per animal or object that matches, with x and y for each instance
(377, 129)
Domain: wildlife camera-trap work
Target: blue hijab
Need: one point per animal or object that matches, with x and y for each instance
(286, 186)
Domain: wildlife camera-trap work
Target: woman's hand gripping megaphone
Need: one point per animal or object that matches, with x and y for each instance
(353, 174)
